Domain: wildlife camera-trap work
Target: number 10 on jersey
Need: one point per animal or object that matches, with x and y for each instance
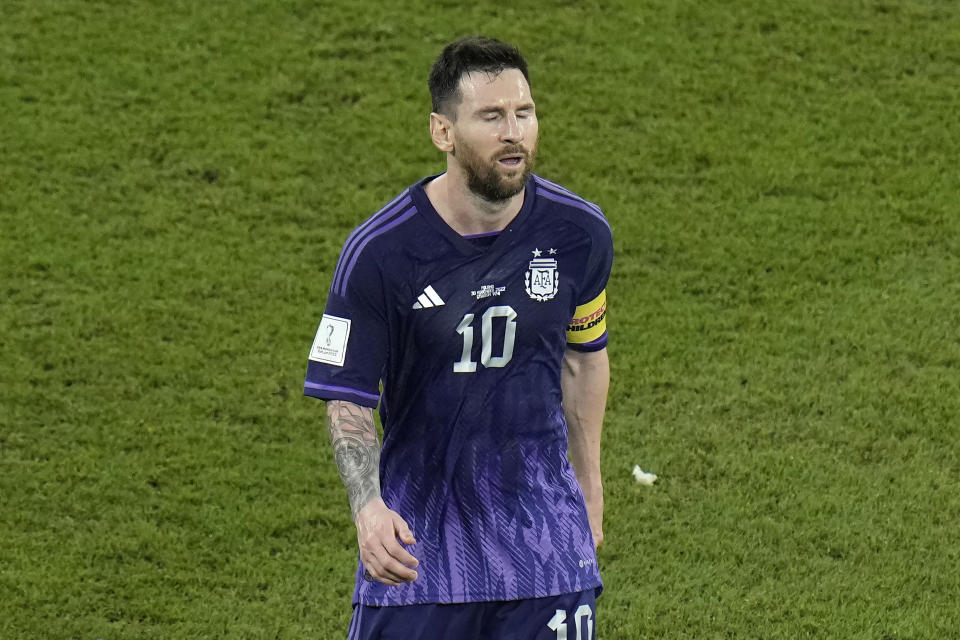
(583, 620)
(466, 364)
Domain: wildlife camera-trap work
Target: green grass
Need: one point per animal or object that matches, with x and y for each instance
(176, 181)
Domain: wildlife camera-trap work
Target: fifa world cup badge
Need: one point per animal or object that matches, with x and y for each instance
(542, 278)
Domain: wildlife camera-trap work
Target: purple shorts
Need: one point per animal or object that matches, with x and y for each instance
(571, 616)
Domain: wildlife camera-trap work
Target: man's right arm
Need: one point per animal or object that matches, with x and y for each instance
(353, 434)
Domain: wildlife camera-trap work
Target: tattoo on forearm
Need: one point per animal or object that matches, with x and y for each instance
(356, 450)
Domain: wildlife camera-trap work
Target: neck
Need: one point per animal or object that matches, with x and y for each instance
(466, 212)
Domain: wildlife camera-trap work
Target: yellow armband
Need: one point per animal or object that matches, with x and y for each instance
(589, 320)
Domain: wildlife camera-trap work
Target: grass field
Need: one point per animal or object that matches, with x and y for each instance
(177, 178)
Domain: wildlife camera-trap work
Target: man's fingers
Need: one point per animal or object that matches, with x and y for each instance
(396, 566)
(390, 573)
(400, 554)
(376, 571)
(372, 574)
(403, 532)
(406, 537)
(386, 567)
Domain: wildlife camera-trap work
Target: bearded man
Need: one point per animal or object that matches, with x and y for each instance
(471, 311)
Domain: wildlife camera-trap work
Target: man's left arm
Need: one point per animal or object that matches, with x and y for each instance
(584, 380)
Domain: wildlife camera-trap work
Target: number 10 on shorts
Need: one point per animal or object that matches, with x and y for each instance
(584, 613)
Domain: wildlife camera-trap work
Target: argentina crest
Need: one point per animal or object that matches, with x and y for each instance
(542, 278)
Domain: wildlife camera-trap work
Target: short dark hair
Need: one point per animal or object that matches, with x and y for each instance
(466, 55)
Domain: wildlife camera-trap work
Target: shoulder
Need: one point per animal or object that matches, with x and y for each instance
(379, 230)
(575, 210)
(388, 218)
(572, 206)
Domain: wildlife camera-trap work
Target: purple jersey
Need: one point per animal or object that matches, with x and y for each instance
(460, 343)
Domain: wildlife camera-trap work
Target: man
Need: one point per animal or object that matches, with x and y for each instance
(471, 310)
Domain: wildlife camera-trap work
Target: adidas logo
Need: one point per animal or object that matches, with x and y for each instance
(427, 299)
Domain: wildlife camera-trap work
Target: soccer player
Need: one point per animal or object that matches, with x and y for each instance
(471, 311)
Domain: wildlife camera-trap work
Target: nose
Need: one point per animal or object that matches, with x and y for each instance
(512, 132)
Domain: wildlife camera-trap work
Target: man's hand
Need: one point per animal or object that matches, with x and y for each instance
(378, 529)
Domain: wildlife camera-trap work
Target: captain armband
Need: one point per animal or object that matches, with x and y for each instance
(589, 320)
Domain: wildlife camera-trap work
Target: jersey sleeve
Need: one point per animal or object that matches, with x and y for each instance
(349, 349)
(587, 330)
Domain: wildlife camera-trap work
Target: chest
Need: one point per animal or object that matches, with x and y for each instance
(489, 310)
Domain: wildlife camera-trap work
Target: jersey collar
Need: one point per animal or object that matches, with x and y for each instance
(426, 209)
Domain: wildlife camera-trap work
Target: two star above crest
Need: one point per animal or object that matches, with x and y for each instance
(536, 252)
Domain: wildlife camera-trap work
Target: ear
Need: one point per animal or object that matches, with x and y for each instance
(441, 132)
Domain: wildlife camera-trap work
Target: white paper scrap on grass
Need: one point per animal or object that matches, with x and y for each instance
(643, 477)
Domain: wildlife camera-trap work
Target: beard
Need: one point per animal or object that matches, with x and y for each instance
(487, 179)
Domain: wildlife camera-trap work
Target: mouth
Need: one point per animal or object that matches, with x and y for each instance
(511, 161)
